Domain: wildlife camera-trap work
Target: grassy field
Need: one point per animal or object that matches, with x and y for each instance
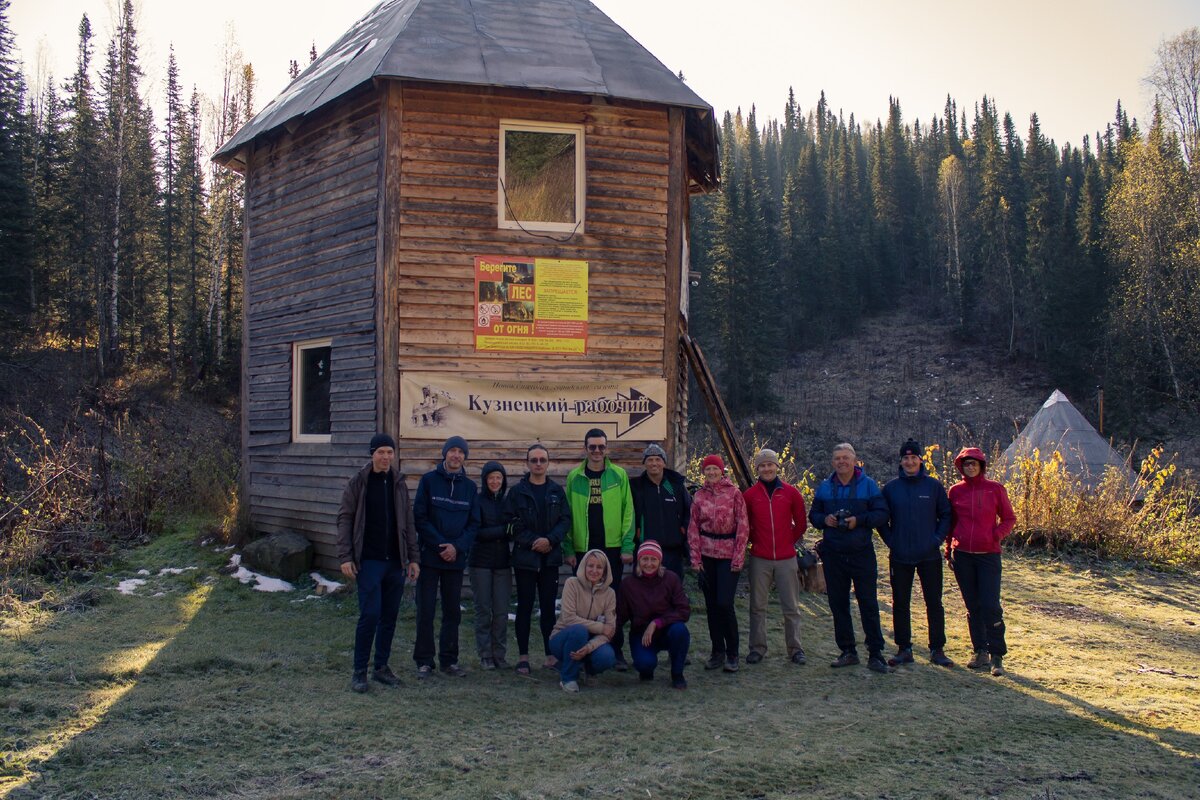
(198, 686)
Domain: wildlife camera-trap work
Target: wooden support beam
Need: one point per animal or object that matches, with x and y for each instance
(738, 463)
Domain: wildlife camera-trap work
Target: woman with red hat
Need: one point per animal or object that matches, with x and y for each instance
(717, 535)
(982, 517)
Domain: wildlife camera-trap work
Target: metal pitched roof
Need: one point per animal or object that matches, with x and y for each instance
(557, 45)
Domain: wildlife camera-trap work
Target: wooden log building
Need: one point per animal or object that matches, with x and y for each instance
(397, 164)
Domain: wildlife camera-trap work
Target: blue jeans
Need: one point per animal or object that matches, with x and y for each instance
(380, 587)
(675, 640)
(570, 639)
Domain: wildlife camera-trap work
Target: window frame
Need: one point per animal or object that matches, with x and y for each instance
(297, 395)
(531, 126)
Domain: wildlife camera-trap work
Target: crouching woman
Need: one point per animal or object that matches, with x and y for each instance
(657, 610)
(586, 622)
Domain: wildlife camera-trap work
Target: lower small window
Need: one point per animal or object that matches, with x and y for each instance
(311, 373)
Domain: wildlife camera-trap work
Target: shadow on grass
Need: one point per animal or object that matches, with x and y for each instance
(248, 698)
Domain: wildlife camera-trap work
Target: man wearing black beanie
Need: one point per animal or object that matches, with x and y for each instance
(377, 546)
(919, 514)
(447, 516)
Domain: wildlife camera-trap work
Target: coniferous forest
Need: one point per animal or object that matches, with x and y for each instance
(121, 242)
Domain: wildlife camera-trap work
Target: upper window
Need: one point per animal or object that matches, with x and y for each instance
(541, 176)
(310, 391)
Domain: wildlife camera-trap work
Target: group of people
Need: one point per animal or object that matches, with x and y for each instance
(599, 521)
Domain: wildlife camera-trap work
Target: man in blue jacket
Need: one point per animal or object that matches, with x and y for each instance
(846, 506)
(919, 514)
(446, 513)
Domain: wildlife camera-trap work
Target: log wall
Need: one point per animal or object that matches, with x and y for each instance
(311, 215)
(448, 158)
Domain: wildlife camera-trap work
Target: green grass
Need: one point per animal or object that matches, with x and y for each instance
(215, 690)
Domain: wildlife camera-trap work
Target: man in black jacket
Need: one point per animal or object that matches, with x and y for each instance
(662, 508)
(377, 545)
(919, 514)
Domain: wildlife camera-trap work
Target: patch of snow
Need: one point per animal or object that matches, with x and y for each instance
(224, 549)
(174, 570)
(512, 617)
(159, 594)
(235, 560)
(129, 584)
(262, 583)
(143, 572)
(321, 580)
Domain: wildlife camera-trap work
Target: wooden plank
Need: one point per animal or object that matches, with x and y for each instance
(676, 200)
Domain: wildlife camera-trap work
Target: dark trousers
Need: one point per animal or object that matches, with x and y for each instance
(719, 584)
(617, 566)
(930, 573)
(978, 576)
(450, 582)
(675, 640)
(673, 561)
(857, 567)
(380, 587)
(543, 582)
(491, 588)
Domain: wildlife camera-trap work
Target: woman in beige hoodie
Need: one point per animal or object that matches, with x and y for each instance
(587, 621)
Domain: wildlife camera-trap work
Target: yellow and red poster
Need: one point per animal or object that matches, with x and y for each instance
(531, 305)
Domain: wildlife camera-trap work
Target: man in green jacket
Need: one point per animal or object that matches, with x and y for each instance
(601, 516)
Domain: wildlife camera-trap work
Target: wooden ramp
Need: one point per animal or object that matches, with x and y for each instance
(739, 465)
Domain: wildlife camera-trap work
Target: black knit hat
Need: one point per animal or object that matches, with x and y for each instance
(912, 448)
(382, 440)
(456, 441)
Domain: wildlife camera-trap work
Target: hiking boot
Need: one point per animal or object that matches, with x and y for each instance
(570, 687)
(358, 681)
(903, 656)
(716, 661)
(424, 671)
(754, 657)
(799, 658)
(385, 676)
(981, 660)
(621, 665)
(499, 663)
(848, 658)
(731, 665)
(939, 657)
(487, 664)
(678, 681)
(997, 665)
(454, 671)
(875, 663)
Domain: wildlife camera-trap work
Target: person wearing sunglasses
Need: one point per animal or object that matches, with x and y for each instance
(601, 516)
(539, 522)
(982, 517)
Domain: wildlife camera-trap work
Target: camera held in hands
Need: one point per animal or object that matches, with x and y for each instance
(843, 516)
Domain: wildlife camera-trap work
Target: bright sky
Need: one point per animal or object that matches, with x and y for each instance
(1068, 60)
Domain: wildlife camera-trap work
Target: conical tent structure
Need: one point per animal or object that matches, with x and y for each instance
(1058, 425)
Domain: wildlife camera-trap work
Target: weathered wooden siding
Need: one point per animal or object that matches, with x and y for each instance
(311, 216)
(447, 157)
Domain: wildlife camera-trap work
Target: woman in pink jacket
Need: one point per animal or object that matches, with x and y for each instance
(982, 517)
(717, 535)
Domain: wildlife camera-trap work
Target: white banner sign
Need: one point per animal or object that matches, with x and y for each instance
(435, 405)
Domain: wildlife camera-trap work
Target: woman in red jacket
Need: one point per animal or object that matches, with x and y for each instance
(982, 517)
